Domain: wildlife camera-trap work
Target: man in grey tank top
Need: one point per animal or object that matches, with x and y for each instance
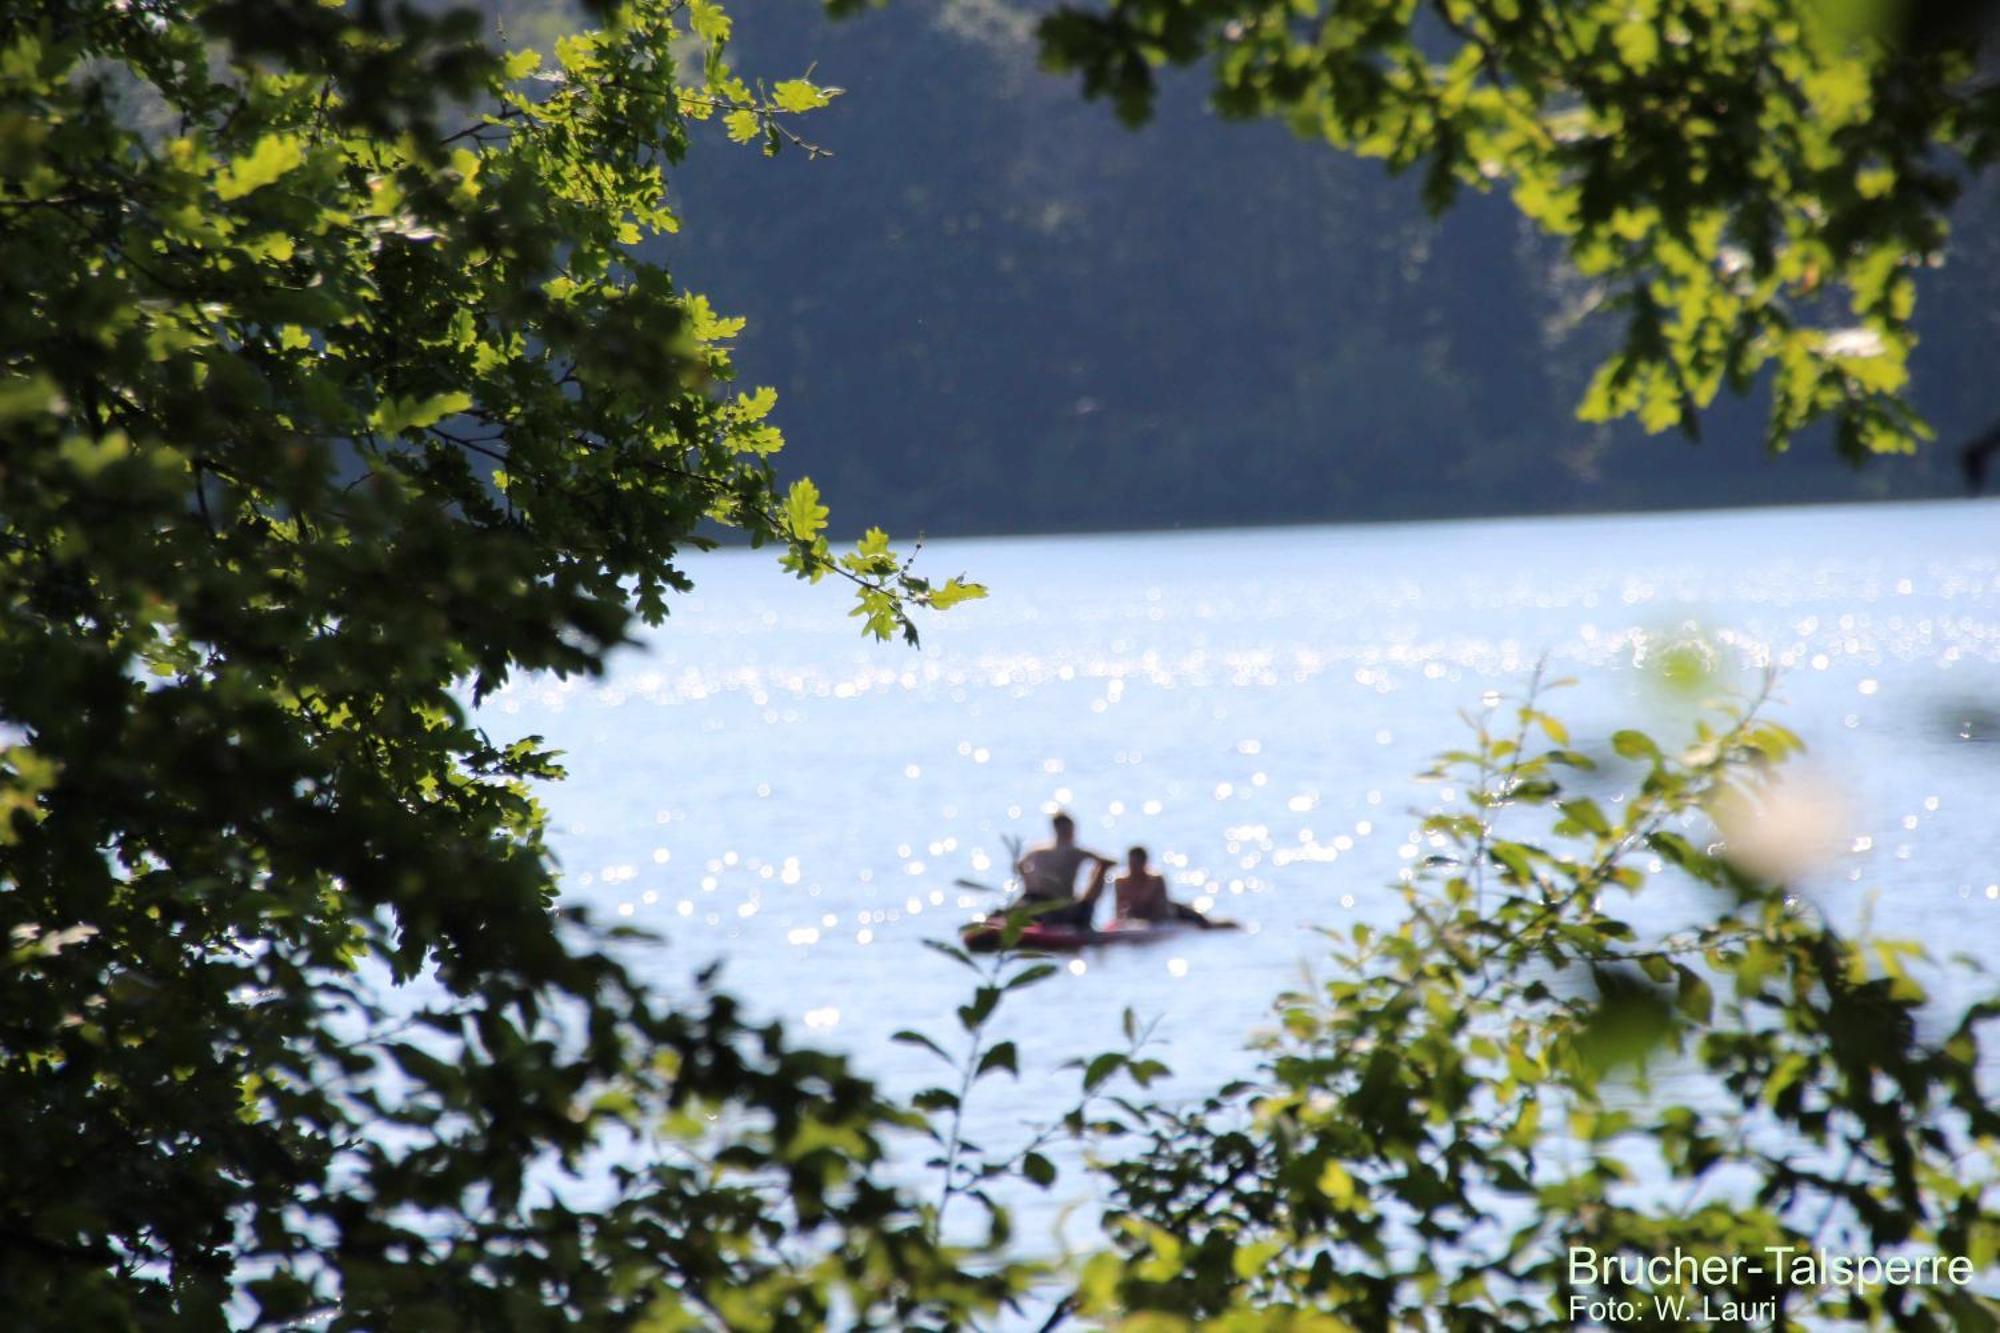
(1048, 877)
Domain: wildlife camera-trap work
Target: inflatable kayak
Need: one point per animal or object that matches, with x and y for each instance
(987, 935)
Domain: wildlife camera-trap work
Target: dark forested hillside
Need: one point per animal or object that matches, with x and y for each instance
(993, 309)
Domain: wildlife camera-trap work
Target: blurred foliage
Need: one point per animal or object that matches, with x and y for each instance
(976, 1172)
(1753, 185)
(1515, 1069)
(331, 383)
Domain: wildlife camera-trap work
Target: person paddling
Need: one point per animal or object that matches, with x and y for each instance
(1142, 895)
(1048, 878)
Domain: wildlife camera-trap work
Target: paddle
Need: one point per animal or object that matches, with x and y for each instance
(1013, 846)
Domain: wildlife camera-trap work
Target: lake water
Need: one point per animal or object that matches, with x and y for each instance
(761, 786)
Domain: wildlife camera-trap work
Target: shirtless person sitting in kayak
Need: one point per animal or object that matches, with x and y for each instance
(1142, 895)
(1048, 878)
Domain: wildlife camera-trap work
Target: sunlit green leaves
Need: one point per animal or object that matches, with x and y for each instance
(805, 516)
(797, 95)
(340, 384)
(709, 21)
(401, 414)
(953, 591)
(1486, 1053)
(1721, 171)
(755, 406)
(270, 158)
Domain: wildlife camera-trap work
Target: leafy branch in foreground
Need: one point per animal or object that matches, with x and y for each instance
(966, 1169)
(1437, 1126)
(975, 1172)
(333, 382)
(1753, 185)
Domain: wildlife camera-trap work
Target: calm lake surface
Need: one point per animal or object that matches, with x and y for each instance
(761, 786)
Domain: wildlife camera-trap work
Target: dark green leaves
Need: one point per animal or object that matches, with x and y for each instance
(1692, 995)
(999, 1056)
(1627, 1021)
(973, 1015)
(1100, 1068)
(334, 381)
(910, 1038)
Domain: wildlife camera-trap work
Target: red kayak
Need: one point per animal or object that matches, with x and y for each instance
(987, 935)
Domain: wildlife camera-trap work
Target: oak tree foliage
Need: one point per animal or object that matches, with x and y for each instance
(1752, 186)
(331, 388)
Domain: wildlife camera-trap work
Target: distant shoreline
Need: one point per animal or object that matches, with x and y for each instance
(1747, 505)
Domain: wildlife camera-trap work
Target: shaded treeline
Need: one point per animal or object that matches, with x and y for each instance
(995, 310)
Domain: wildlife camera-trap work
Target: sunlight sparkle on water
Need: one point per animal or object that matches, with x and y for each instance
(1330, 663)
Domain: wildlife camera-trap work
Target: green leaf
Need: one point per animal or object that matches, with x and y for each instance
(935, 1099)
(1514, 858)
(756, 406)
(805, 516)
(1638, 43)
(705, 324)
(1001, 1056)
(1635, 745)
(973, 1015)
(953, 592)
(272, 157)
(709, 21)
(1030, 975)
(798, 95)
(910, 1037)
(1527, 1125)
(1694, 997)
(28, 396)
(1337, 1185)
(1101, 1068)
(395, 415)
(1585, 814)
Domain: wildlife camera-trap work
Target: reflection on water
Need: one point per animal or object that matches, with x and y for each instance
(762, 786)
